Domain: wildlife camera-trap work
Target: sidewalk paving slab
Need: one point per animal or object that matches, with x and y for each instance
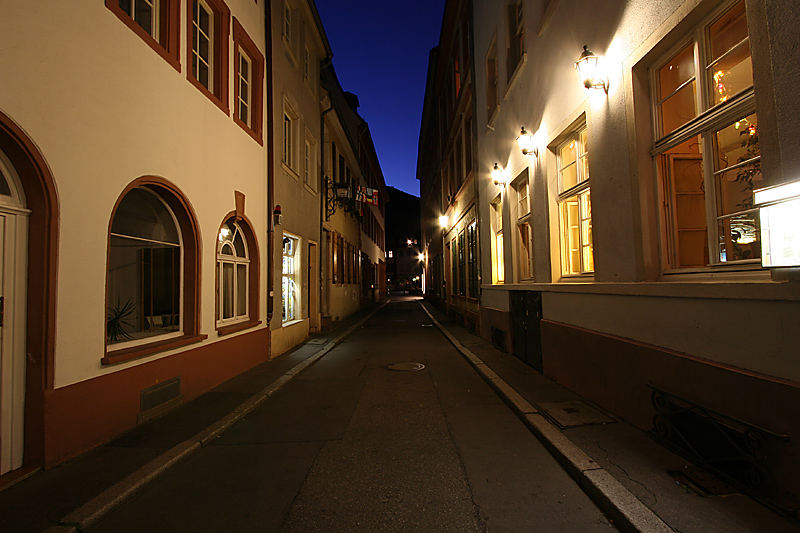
(612, 460)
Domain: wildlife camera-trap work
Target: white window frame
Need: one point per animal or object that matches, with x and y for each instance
(291, 126)
(223, 259)
(246, 98)
(707, 121)
(580, 192)
(196, 57)
(155, 9)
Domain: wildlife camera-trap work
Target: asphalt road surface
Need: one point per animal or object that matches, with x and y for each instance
(351, 445)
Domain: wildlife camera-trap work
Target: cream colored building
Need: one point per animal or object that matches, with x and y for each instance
(133, 206)
(299, 46)
(353, 269)
(621, 255)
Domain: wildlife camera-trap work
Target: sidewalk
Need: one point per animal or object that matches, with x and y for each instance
(640, 465)
(46, 498)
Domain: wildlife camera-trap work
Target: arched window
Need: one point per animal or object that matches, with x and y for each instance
(144, 271)
(233, 266)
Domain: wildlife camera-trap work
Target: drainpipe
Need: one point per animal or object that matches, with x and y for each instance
(270, 168)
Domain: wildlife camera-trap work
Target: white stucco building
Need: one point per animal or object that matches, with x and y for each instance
(621, 255)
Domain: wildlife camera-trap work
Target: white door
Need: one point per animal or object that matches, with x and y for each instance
(13, 267)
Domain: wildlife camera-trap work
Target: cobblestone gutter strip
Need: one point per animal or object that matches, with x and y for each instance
(627, 511)
(96, 508)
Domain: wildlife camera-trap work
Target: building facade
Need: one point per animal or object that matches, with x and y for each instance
(160, 223)
(132, 220)
(354, 199)
(620, 242)
(299, 47)
(446, 168)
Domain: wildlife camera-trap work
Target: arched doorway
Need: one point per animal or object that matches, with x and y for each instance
(29, 234)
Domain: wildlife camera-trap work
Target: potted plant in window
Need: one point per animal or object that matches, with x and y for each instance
(117, 321)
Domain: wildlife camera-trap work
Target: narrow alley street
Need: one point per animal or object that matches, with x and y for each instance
(351, 445)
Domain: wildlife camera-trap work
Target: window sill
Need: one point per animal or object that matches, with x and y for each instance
(512, 80)
(705, 289)
(211, 96)
(256, 135)
(290, 171)
(169, 57)
(238, 326)
(135, 352)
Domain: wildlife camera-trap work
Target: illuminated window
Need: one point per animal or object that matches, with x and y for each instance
(290, 287)
(232, 274)
(472, 260)
(498, 266)
(575, 207)
(524, 236)
(707, 141)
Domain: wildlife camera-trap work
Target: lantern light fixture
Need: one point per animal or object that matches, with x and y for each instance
(444, 221)
(527, 143)
(498, 175)
(588, 65)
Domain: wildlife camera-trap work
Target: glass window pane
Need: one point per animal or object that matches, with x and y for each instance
(205, 19)
(500, 260)
(203, 74)
(227, 290)
(203, 48)
(4, 188)
(735, 188)
(740, 237)
(678, 109)
(125, 5)
(684, 215)
(737, 142)
(141, 214)
(676, 72)
(241, 290)
(143, 290)
(238, 243)
(733, 74)
(569, 177)
(568, 153)
(144, 16)
(728, 31)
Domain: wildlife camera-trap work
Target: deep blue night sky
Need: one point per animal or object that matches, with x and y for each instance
(380, 52)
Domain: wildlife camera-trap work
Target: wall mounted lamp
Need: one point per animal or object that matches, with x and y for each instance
(498, 176)
(588, 65)
(526, 143)
(444, 221)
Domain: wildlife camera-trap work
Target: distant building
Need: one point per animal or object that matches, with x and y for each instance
(403, 241)
(354, 202)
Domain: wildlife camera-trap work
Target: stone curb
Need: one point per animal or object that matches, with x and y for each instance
(627, 511)
(97, 507)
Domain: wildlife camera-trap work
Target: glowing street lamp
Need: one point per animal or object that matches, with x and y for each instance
(498, 176)
(526, 143)
(588, 66)
(444, 221)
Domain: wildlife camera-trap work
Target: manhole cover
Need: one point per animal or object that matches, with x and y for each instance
(406, 367)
